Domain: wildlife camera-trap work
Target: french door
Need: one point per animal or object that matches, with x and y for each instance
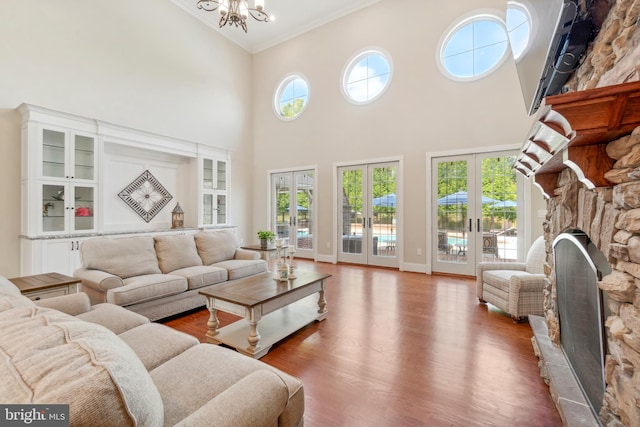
(367, 221)
(474, 211)
(293, 209)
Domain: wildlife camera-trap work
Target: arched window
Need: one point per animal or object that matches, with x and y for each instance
(291, 97)
(366, 76)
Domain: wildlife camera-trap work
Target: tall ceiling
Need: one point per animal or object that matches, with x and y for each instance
(292, 18)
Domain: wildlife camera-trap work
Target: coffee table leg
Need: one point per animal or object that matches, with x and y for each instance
(212, 323)
(322, 304)
(254, 335)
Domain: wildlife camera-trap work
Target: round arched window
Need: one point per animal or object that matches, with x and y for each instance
(366, 76)
(519, 28)
(292, 97)
(474, 48)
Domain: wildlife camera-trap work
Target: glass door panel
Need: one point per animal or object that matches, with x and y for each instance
(353, 217)
(452, 206)
(303, 205)
(84, 157)
(221, 175)
(207, 174)
(221, 201)
(207, 209)
(53, 153)
(53, 208)
(383, 205)
(499, 209)
(282, 200)
(84, 208)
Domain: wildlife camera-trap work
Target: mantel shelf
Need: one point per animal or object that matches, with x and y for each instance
(572, 131)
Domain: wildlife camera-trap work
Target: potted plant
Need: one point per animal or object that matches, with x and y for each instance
(265, 237)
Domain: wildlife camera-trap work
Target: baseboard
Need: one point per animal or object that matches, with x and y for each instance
(326, 258)
(415, 268)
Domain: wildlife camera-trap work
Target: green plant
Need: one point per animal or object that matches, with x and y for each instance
(266, 235)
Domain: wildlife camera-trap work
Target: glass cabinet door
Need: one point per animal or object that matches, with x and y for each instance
(53, 208)
(53, 153)
(221, 172)
(84, 158)
(83, 208)
(207, 174)
(208, 209)
(221, 216)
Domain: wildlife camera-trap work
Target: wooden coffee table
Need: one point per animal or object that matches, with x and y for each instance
(282, 308)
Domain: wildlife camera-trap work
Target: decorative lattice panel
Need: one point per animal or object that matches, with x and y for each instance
(146, 196)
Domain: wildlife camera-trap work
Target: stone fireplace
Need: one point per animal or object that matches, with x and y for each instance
(584, 153)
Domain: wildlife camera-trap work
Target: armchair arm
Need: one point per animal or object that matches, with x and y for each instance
(528, 283)
(72, 304)
(486, 266)
(256, 400)
(98, 280)
(246, 254)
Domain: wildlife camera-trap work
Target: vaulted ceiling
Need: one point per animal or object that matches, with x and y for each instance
(292, 17)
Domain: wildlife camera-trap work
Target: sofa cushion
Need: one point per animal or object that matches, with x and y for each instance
(145, 288)
(176, 251)
(123, 257)
(155, 343)
(216, 246)
(239, 268)
(113, 317)
(499, 278)
(225, 368)
(51, 357)
(203, 275)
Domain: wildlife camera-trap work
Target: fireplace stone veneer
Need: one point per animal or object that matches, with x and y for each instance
(610, 216)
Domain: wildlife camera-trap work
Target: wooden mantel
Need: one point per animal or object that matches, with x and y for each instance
(572, 130)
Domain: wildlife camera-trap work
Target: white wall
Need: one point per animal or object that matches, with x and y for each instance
(422, 111)
(144, 64)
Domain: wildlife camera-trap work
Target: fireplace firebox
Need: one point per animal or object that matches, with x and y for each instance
(582, 311)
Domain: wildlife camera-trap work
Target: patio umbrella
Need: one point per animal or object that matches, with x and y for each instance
(388, 200)
(505, 204)
(462, 198)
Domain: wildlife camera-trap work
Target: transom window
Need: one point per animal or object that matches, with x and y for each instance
(474, 48)
(366, 77)
(291, 97)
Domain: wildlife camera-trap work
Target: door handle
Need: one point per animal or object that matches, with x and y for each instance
(478, 228)
(369, 222)
(470, 225)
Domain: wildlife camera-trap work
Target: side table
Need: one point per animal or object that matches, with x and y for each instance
(266, 253)
(48, 285)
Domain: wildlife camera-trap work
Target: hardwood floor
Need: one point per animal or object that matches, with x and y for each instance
(408, 349)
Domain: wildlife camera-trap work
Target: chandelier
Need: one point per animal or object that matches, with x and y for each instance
(235, 12)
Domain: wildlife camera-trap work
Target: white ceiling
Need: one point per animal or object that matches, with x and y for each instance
(292, 18)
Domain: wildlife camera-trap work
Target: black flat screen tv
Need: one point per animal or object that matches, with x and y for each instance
(558, 40)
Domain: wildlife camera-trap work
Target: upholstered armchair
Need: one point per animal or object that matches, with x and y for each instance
(514, 287)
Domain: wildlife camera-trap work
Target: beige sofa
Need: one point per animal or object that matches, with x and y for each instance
(161, 276)
(115, 368)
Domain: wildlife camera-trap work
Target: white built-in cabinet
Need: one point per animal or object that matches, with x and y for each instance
(65, 199)
(213, 186)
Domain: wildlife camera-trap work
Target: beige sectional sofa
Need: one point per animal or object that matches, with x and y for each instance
(161, 276)
(115, 368)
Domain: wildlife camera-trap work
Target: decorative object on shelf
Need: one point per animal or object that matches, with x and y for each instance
(83, 211)
(177, 217)
(46, 207)
(146, 196)
(235, 12)
(265, 237)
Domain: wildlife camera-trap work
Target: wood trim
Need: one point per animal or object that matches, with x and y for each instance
(588, 120)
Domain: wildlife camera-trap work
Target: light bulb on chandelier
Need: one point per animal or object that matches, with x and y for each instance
(235, 12)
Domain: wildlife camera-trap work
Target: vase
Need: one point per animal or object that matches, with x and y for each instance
(263, 243)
